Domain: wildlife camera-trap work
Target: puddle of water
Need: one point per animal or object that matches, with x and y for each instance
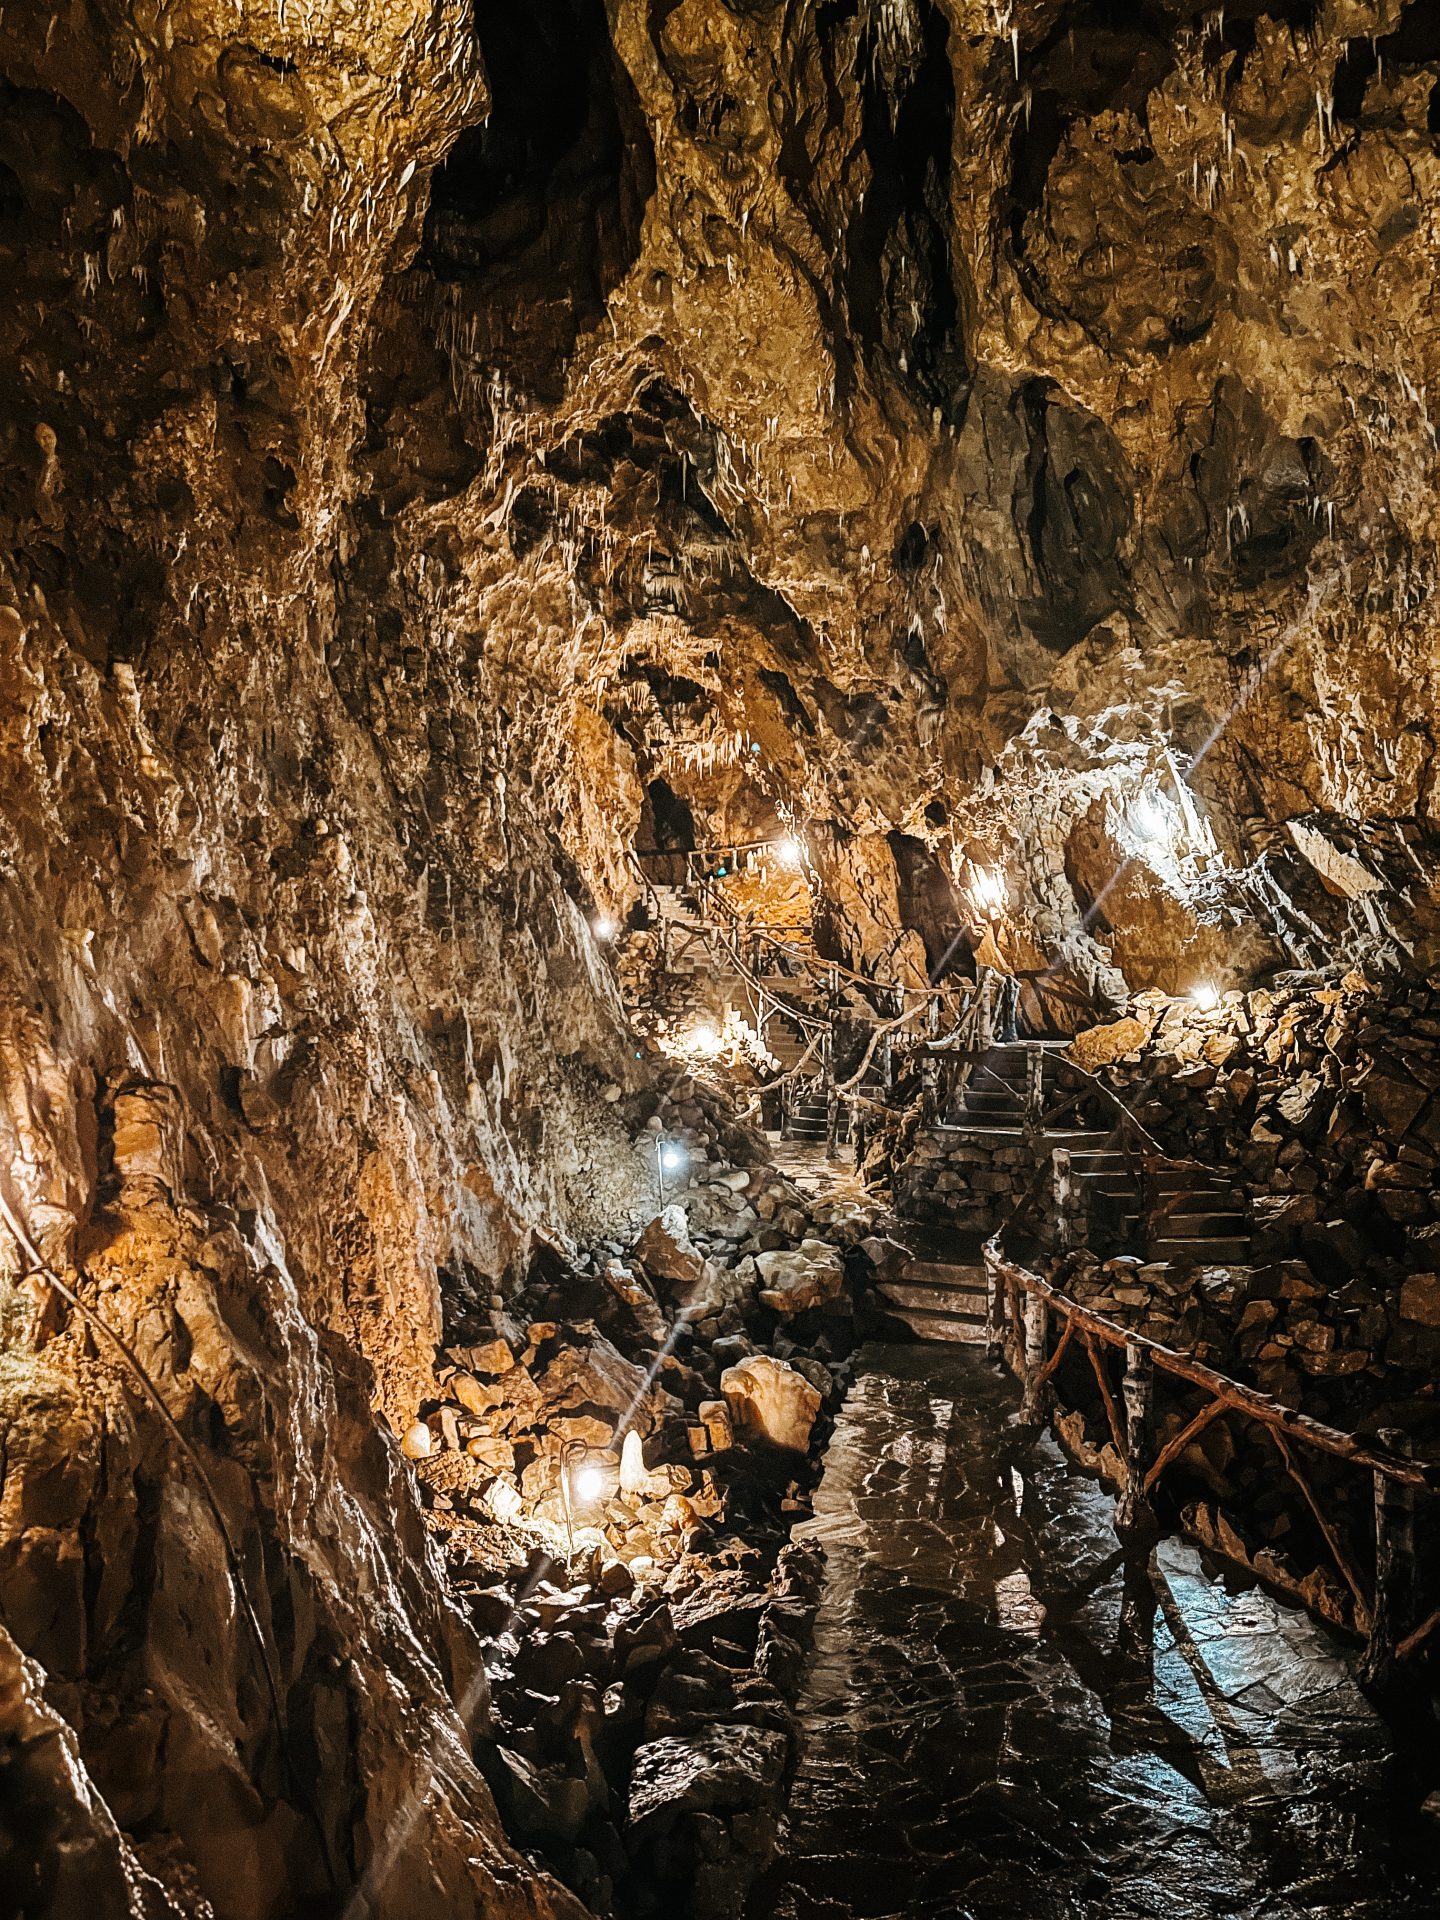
(1003, 1718)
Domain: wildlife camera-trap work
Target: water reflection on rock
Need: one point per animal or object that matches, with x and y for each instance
(1006, 1718)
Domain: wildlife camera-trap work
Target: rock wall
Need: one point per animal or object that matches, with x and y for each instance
(953, 1177)
(430, 439)
(279, 1058)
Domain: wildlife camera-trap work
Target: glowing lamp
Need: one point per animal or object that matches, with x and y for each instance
(1204, 997)
(587, 1483)
(704, 1038)
(1149, 820)
(790, 852)
(604, 927)
(673, 1158)
(987, 889)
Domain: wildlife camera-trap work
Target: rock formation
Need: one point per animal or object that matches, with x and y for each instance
(446, 449)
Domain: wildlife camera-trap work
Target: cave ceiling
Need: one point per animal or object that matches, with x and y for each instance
(866, 415)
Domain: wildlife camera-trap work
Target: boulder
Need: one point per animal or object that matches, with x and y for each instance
(886, 1256)
(1394, 1104)
(666, 1252)
(770, 1402)
(595, 1378)
(724, 1769)
(1420, 1299)
(719, 1428)
(810, 1276)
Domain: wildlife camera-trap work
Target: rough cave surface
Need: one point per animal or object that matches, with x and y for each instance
(445, 451)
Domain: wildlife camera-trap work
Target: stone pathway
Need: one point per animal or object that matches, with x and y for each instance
(1001, 1720)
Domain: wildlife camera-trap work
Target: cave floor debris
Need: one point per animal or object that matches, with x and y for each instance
(1001, 1719)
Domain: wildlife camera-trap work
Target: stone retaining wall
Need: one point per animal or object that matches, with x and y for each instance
(963, 1177)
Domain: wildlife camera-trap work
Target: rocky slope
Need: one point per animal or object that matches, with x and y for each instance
(436, 448)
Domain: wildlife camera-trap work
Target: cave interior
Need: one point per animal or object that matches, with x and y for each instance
(719, 959)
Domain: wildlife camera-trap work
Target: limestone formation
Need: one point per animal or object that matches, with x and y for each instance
(956, 482)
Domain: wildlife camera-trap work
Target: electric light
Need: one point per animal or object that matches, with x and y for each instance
(1205, 997)
(673, 1158)
(1148, 819)
(587, 1483)
(987, 889)
(790, 852)
(704, 1038)
(604, 927)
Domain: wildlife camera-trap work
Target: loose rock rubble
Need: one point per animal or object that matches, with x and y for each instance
(613, 1462)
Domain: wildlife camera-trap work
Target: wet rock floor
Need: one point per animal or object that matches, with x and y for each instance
(1001, 1719)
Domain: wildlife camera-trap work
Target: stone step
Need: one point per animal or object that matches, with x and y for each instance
(1208, 1252)
(949, 1273)
(947, 1327)
(962, 1301)
(1186, 1180)
(1225, 1223)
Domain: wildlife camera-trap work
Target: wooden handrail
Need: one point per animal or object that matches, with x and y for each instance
(1232, 1393)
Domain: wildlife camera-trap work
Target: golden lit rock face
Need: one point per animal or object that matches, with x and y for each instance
(419, 443)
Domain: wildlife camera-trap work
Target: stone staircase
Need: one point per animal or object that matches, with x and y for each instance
(996, 1092)
(939, 1294)
(1198, 1217)
(1194, 1214)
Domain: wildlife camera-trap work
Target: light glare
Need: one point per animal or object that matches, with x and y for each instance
(1205, 997)
(587, 1484)
(1150, 821)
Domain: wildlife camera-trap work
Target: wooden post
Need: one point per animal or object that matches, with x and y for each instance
(1133, 1515)
(1064, 1199)
(832, 1099)
(1034, 1085)
(1037, 1330)
(985, 1020)
(994, 1312)
(929, 1088)
(1391, 1617)
(887, 1052)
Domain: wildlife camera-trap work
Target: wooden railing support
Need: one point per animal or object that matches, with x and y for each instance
(1037, 1332)
(1134, 1518)
(929, 1089)
(1034, 1086)
(996, 1289)
(985, 1014)
(1392, 1615)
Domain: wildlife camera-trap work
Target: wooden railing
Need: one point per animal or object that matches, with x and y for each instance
(1023, 1311)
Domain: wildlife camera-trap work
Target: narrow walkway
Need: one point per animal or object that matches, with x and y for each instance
(1001, 1721)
